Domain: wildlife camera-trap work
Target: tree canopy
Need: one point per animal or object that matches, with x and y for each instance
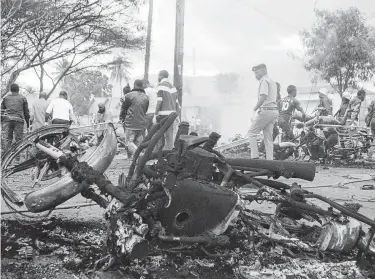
(82, 84)
(340, 48)
(35, 33)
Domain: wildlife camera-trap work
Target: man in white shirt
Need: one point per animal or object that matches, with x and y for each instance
(60, 110)
(266, 113)
(152, 101)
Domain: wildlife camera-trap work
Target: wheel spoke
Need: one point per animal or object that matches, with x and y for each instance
(41, 174)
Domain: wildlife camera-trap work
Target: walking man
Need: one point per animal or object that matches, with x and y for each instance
(38, 113)
(265, 111)
(133, 115)
(60, 110)
(14, 113)
(167, 103)
(287, 107)
(152, 101)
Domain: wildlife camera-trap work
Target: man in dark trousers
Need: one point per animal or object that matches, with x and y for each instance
(167, 103)
(133, 115)
(14, 113)
(287, 107)
(60, 110)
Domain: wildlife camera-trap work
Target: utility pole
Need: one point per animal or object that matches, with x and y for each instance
(148, 39)
(179, 49)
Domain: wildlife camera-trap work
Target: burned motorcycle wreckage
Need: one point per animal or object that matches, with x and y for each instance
(330, 140)
(194, 195)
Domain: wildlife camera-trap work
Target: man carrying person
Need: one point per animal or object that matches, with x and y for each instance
(287, 107)
(265, 111)
(355, 106)
(133, 115)
(38, 113)
(60, 110)
(167, 103)
(152, 101)
(14, 113)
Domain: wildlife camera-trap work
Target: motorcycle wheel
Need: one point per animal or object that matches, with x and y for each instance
(25, 169)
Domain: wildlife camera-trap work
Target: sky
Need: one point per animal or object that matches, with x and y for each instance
(234, 35)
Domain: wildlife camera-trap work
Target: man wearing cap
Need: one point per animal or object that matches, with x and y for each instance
(60, 110)
(325, 104)
(38, 112)
(265, 111)
(133, 115)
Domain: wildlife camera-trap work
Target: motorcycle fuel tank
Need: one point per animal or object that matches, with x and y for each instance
(197, 207)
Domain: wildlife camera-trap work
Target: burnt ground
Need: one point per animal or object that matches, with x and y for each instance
(67, 244)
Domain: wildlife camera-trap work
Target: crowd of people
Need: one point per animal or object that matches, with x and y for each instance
(272, 112)
(141, 107)
(144, 105)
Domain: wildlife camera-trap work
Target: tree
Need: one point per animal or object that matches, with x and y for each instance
(119, 70)
(41, 32)
(81, 85)
(227, 83)
(29, 90)
(340, 48)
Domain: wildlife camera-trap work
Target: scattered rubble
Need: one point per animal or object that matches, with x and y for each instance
(183, 210)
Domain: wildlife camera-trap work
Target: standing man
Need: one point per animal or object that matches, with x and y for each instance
(167, 103)
(370, 118)
(14, 113)
(265, 111)
(133, 115)
(38, 113)
(152, 101)
(102, 115)
(355, 106)
(287, 107)
(325, 104)
(60, 110)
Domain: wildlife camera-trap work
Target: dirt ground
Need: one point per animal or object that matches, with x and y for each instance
(67, 244)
